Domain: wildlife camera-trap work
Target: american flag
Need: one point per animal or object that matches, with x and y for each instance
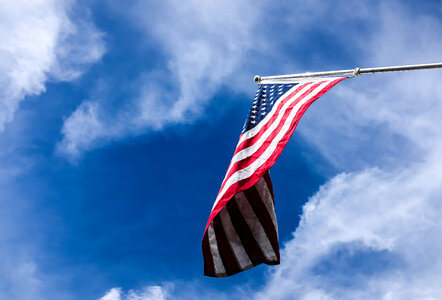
(242, 230)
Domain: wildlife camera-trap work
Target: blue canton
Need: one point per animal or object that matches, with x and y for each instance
(262, 104)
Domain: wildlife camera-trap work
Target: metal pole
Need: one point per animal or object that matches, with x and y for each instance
(354, 72)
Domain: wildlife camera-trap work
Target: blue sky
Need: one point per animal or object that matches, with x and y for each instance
(118, 121)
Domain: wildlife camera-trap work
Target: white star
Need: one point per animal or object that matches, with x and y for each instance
(253, 122)
(263, 114)
(254, 111)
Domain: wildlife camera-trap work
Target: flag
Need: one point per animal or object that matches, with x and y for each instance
(242, 230)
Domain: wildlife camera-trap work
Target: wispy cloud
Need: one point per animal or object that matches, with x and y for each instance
(41, 42)
(204, 43)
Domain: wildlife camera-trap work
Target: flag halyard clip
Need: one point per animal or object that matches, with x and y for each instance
(356, 72)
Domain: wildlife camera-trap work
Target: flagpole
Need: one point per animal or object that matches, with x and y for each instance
(354, 72)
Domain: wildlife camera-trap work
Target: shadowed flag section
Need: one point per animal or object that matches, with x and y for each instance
(242, 230)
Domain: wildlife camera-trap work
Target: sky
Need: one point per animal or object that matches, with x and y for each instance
(118, 122)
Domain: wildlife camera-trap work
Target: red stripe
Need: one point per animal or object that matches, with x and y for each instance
(250, 181)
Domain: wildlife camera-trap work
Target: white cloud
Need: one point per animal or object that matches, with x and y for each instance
(112, 294)
(83, 126)
(40, 42)
(147, 293)
(204, 43)
(375, 231)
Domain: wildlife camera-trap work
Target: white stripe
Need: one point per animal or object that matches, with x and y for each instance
(217, 262)
(248, 171)
(255, 226)
(267, 199)
(234, 240)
